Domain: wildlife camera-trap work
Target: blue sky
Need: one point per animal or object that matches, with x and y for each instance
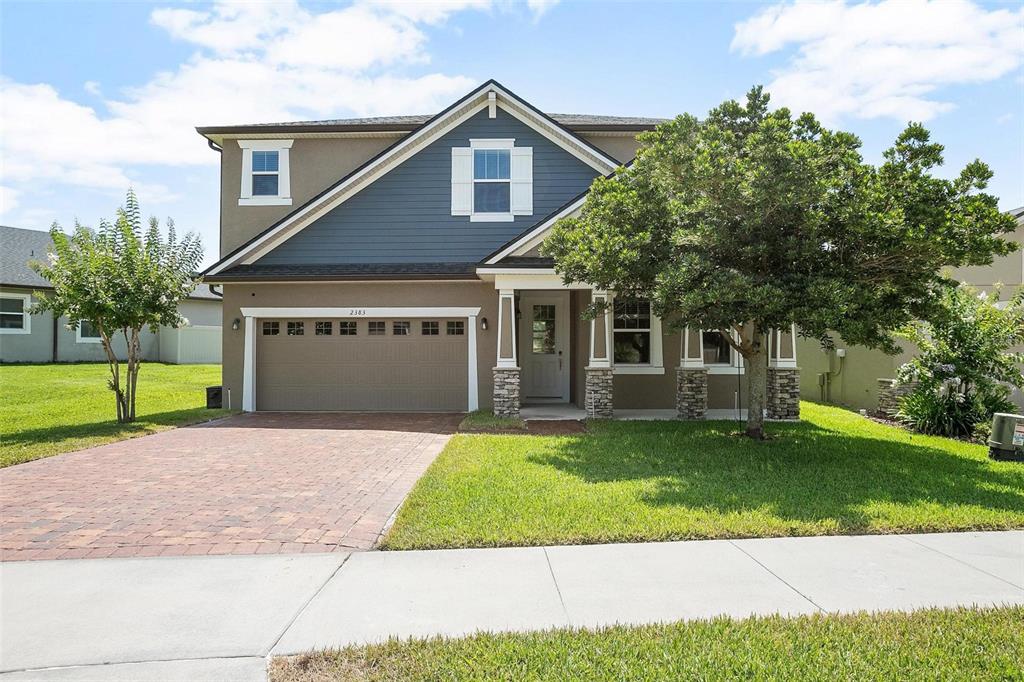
(97, 96)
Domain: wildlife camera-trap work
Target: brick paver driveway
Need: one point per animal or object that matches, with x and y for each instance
(250, 484)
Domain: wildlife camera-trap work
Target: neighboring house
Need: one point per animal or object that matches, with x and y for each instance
(393, 264)
(853, 380)
(40, 338)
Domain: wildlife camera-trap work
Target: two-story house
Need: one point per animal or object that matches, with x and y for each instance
(393, 264)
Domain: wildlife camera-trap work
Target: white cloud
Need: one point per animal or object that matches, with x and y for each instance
(540, 7)
(254, 62)
(8, 200)
(885, 59)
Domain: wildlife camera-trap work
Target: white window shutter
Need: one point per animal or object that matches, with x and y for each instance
(246, 190)
(462, 181)
(522, 181)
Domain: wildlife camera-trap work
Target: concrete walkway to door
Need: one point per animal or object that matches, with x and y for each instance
(218, 618)
(263, 483)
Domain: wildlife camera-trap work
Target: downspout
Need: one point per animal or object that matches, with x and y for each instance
(213, 145)
(55, 338)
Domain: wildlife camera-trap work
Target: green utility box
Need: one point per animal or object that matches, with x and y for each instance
(1007, 439)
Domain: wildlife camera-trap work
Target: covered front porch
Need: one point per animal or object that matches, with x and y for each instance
(552, 364)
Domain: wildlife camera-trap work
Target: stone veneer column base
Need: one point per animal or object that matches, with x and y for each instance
(691, 393)
(783, 393)
(599, 392)
(890, 393)
(506, 392)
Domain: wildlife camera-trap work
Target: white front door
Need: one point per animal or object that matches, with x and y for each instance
(544, 345)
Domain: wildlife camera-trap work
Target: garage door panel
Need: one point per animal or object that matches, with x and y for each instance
(336, 372)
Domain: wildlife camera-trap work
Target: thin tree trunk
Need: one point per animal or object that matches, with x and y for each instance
(115, 374)
(134, 355)
(756, 360)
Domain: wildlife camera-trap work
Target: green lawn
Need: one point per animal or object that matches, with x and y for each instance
(49, 409)
(964, 644)
(834, 473)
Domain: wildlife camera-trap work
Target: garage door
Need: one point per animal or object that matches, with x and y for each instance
(361, 364)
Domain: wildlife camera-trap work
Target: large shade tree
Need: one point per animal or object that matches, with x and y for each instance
(750, 220)
(120, 279)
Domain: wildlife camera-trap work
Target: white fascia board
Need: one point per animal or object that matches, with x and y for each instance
(357, 311)
(408, 147)
(537, 234)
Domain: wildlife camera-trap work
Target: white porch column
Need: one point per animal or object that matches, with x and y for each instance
(600, 334)
(473, 400)
(249, 366)
(691, 377)
(507, 329)
(599, 399)
(506, 370)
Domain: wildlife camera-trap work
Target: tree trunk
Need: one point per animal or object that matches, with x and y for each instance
(134, 350)
(115, 374)
(756, 360)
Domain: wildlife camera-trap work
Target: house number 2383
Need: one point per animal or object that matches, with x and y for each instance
(356, 311)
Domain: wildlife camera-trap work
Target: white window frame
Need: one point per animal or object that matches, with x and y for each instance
(26, 317)
(657, 363)
(476, 145)
(85, 339)
(284, 186)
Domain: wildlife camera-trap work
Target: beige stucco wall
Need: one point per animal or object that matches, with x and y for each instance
(1007, 271)
(360, 295)
(314, 164)
(622, 148)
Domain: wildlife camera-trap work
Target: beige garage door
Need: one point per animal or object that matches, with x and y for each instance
(358, 364)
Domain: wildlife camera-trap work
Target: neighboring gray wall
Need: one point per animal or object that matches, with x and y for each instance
(34, 347)
(38, 346)
(405, 216)
(201, 313)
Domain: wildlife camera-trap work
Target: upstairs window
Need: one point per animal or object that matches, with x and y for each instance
(492, 180)
(14, 317)
(266, 176)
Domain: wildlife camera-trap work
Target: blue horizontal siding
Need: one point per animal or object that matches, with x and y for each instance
(405, 216)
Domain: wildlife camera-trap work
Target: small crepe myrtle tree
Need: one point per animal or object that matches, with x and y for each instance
(750, 220)
(120, 279)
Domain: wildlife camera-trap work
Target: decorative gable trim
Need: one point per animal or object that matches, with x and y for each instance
(530, 239)
(402, 150)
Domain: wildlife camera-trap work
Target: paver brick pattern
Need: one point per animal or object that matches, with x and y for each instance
(251, 484)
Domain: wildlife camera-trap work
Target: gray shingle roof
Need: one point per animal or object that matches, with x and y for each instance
(350, 271)
(18, 246)
(575, 122)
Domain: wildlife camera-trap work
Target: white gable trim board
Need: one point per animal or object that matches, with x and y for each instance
(251, 315)
(534, 237)
(403, 150)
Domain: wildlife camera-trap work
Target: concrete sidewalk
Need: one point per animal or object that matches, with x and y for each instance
(218, 618)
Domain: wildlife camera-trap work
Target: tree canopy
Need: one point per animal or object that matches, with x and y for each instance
(753, 219)
(120, 279)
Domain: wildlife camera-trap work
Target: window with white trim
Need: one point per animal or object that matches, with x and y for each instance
(266, 173)
(636, 338)
(632, 332)
(87, 333)
(715, 348)
(492, 180)
(14, 316)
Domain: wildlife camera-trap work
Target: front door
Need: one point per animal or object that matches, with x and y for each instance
(544, 345)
